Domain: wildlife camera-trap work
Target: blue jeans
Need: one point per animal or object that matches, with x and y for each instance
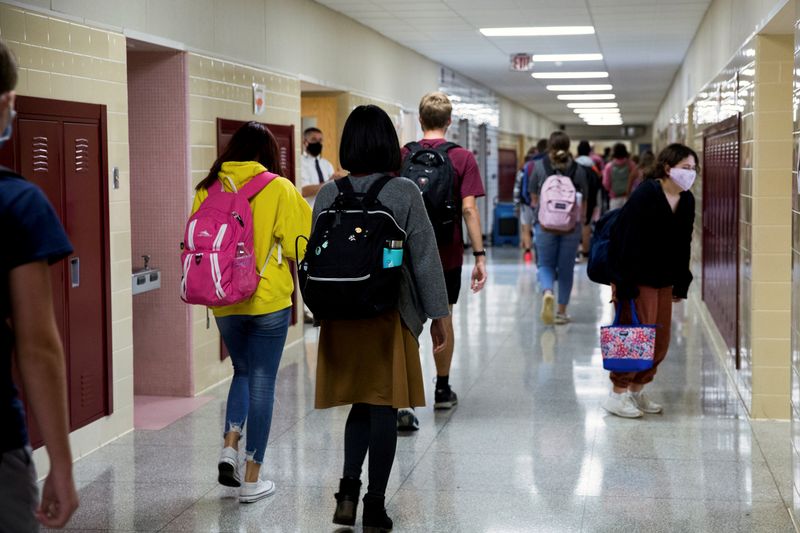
(256, 346)
(555, 255)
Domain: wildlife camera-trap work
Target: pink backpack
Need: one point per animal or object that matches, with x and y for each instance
(558, 204)
(218, 256)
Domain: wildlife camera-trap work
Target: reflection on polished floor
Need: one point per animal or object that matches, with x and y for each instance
(527, 449)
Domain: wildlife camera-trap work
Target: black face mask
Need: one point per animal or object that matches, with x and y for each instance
(314, 149)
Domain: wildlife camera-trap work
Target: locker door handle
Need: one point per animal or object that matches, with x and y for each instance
(75, 272)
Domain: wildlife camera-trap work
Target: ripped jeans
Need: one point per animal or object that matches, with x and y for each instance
(256, 346)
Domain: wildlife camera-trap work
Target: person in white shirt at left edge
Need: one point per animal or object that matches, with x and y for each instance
(315, 170)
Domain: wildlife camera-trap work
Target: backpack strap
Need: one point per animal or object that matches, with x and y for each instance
(376, 188)
(257, 184)
(413, 147)
(345, 186)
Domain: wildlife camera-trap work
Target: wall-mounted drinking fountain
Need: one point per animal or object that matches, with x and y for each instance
(146, 279)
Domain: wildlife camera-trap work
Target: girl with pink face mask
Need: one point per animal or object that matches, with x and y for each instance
(649, 255)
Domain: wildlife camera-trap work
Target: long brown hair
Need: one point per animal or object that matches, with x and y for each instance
(252, 142)
(558, 152)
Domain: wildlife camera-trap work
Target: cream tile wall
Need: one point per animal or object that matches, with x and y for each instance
(67, 61)
(795, 333)
(223, 89)
(770, 212)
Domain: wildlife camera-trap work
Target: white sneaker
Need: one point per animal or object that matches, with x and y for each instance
(622, 405)
(252, 492)
(229, 468)
(548, 308)
(645, 404)
(562, 318)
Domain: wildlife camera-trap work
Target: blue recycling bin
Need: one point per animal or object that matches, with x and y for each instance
(505, 228)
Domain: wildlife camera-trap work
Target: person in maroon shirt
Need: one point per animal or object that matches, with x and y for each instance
(435, 112)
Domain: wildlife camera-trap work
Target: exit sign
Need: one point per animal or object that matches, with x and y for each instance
(521, 62)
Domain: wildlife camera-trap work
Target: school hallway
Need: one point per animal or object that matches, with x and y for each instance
(528, 448)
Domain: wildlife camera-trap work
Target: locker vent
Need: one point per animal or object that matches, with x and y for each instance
(40, 153)
(88, 390)
(81, 155)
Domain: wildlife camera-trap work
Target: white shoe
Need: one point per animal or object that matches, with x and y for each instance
(548, 308)
(645, 404)
(229, 468)
(562, 318)
(252, 492)
(622, 405)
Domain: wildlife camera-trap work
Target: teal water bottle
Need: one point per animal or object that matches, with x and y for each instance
(392, 254)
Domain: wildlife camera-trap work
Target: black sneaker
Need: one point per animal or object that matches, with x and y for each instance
(407, 420)
(445, 399)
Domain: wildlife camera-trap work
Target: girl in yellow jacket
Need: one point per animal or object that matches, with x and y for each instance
(255, 330)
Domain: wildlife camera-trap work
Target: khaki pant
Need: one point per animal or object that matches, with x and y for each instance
(653, 306)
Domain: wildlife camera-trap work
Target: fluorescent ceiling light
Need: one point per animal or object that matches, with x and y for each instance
(597, 111)
(568, 75)
(566, 57)
(610, 122)
(601, 87)
(591, 105)
(600, 117)
(608, 96)
(536, 31)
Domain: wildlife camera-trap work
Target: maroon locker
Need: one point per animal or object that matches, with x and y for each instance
(61, 146)
(84, 224)
(721, 229)
(284, 135)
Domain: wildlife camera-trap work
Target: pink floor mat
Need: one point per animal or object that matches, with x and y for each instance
(157, 412)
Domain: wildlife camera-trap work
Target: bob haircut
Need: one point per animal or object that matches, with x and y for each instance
(671, 156)
(369, 142)
(251, 142)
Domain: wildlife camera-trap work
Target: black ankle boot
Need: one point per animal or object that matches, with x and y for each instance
(347, 501)
(375, 518)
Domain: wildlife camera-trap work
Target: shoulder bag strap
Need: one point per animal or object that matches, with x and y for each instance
(375, 189)
(345, 186)
(413, 147)
(257, 184)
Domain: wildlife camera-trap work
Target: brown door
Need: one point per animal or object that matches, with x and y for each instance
(721, 229)
(507, 162)
(284, 135)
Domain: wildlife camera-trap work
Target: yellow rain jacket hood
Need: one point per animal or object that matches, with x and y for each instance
(280, 215)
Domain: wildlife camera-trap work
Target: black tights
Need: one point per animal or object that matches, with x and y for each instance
(373, 428)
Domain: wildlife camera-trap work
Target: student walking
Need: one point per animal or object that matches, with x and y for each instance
(594, 184)
(373, 364)
(649, 255)
(435, 111)
(35, 239)
(254, 331)
(556, 248)
(619, 176)
(522, 198)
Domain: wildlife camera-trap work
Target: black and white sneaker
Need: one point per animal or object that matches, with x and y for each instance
(229, 468)
(407, 420)
(445, 398)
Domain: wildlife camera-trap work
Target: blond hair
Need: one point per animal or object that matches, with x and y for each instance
(434, 111)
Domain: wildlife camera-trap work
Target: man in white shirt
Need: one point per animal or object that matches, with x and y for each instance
(314, 169)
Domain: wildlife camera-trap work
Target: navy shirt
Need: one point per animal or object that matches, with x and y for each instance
(32, 232)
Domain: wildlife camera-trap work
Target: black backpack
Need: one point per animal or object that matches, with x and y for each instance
(598, 268)
(352, 266)
(432, 171)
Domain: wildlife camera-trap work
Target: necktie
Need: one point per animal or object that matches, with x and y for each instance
(319, 171)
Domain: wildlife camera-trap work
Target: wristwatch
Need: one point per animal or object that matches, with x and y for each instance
(477, 253)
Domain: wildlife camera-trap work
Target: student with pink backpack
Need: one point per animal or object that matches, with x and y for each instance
(244, 225)
(559, 185)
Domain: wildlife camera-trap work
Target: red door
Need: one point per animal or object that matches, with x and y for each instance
(507, 174)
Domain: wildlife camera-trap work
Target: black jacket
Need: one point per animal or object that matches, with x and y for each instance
(650, 245)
